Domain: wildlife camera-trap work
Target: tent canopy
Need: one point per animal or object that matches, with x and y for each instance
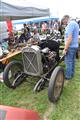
(17, 12)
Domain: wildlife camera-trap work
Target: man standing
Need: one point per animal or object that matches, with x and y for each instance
(71, 45)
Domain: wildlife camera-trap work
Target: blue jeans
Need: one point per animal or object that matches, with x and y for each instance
(70, 62)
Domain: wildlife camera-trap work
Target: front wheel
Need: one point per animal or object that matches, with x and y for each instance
(56, 84)
(12, 74)
(39, 86)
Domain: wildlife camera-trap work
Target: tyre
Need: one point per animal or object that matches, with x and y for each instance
(39, 86)
(12, 74)
(56, 84)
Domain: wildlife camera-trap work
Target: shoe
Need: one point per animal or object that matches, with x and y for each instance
(72, 76)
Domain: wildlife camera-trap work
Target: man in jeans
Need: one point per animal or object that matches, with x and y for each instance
(71, 45)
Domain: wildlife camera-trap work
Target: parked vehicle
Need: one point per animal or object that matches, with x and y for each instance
(41, 61)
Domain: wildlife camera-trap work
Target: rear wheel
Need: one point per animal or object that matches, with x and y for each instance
(13, 74)
(56, 84)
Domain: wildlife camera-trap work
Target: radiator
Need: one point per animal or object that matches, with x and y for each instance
(32, 61)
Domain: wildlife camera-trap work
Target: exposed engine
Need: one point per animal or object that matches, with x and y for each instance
(48, 58)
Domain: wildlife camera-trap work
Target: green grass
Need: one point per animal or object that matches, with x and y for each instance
(67, 108)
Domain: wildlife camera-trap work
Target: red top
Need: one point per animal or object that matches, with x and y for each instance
(9, 25)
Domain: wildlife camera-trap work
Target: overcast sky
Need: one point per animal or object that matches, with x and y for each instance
(58, 8)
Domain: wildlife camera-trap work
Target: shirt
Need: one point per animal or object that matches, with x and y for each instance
(72, 28)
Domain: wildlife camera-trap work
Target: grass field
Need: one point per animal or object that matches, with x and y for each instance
(67, 108)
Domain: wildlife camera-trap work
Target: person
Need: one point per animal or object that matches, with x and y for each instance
(71, 45)
(55, 31)
(62, 29)
(44, 27)
(24, 25)
(35, 39)
(26, 35)
(56, 25)
(9, 25)
(36, 35)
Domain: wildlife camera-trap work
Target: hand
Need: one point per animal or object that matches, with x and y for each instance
(64, 52)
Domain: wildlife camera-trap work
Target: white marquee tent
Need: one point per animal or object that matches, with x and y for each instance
(18, 12)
